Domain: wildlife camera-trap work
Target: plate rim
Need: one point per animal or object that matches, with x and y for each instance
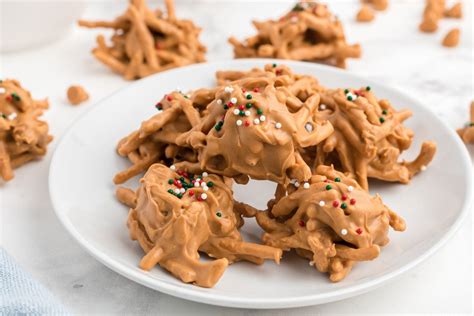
(258, 303)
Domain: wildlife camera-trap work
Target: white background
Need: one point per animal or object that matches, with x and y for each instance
(394, 52)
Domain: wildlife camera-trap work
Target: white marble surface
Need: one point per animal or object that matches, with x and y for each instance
(393, 52)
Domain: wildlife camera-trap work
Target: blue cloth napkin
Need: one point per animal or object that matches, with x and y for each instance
(21, 295)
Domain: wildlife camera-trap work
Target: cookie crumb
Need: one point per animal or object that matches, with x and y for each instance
(455, 11)
(452, 38)
(429, 23)
(77, 95)
(379, 5)
(365, 14)
(467, 133)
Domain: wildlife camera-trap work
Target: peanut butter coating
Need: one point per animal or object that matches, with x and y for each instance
(23, 137)
(333, 222)
(172, 229)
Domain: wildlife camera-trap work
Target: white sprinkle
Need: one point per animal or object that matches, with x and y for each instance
(308, 127)
(198, 179)
(343, 231)
(278, 125)
(256, 121)
(233, 100)
(173, 167)
(179, 181)
(2, 90)
(306, 185)
(297, 184)
(204, 196)
(182, 190)
(238, 122)
(353, 96)
(322, 107)
(177, 191)
(13, 115)
(196, 184)
(205, 174)
(350, 188)
(206, 188)
(188, 96)
(322, 203)
(203, 184)
(423, 168)
(247, 113)
(236, 112)
(311, 263)
(229, 89)
(262, 118)
(219, 101)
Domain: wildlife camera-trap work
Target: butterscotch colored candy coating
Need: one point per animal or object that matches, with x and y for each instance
(309, 32)
(452, 38)
(331, 221)
(365, 14)
(147, 41)
(76, 95)
(467, 133)
(23, 137)
(174, 216)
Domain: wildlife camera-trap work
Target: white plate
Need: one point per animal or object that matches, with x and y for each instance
(81, 189)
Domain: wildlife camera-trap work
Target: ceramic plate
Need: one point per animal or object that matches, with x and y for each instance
(82, 192)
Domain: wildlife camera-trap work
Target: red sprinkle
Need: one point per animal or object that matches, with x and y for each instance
(278, 72)
(191, 192)
(256, 90)
(335, 203)
(169, 98)
(344, 197)
(241, 107)
(185, 174)
(353, 201)
(175, 182)
(243, 90)
(9, 98)
(359, 231)
(199, 198)
(301, 223)
(230, 104)
(247, 123)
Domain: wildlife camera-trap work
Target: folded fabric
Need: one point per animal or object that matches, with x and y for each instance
(21, 295)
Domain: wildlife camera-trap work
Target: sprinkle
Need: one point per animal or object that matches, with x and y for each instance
(344, 197)
(278, 72)
(256, 121)
(229, 89)
(12, 116)
(384, 112)
(423, 168)
(236, 111)
(205, 188)
(311, 263)
(297, 184)
(349, 97)
(196, 184)
(169, 98)
(241, 113)
(335, 203)
(381, 120)
(259, 111)
(191, 192)
(306, 185)
(177, 191)
(359, 230)
(226, 107)
(274, 65)
(337, 180)
(328, 187)
(322, 203)
(367, 88)
(218, 214)
(346, 91)
(248, 96)
(248, 105)
(170, 181)
(322, 107)
(343, 231)
(203, 184)
(256, 90)
(239, 122)
(247, 113)
(343, 206)
(171, 191)
(301, 223)
(16, 97)
(205, 174)
(204, 196)
(219, 101)
(210, 184)
(233, 100)
(218, 127)
(2, 90)
(350, 188)
(352, 201)
(241, 107)
(278, 125)
(308, 127)
(173, 167)
(182, 190)
(247, 123)
(179, 195)
(262, 118)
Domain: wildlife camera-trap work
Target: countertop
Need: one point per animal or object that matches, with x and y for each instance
(394, 52)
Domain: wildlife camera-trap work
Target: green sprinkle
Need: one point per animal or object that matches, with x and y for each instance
(170, 181)
(179, 195)
(367, 88)
(343, 206)
(210, 184)
(16, 96)
(4, 116)
(274, 65)
(381, 120)
(471, 124)
(249, 96)
(181, 179)
(259, 111)
(186, 96)
(297, 7)
(337, 180)
(241, 113)
(218, 214)
(328, 187)
(349, 98)
(248, 105)
(218, 127)
(171, 191)
(384, 112)
(226, 107)
(346, 91)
